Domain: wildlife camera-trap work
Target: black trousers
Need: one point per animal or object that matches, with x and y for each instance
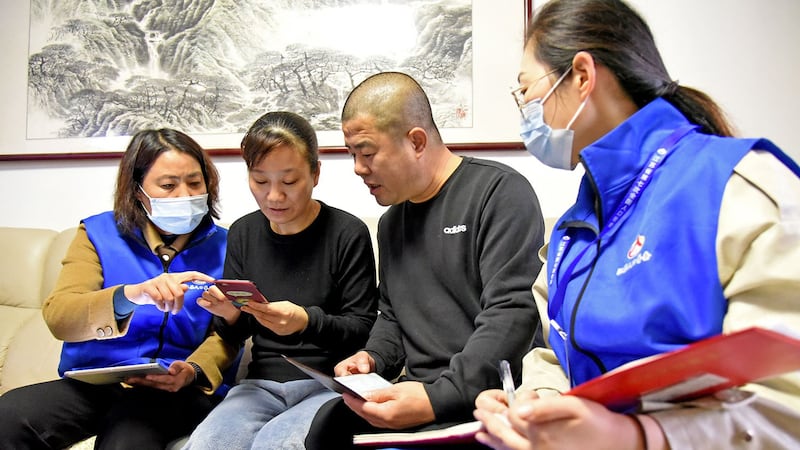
(59, 413)
(335, 424)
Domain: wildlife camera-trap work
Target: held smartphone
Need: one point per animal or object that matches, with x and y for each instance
(240, 292)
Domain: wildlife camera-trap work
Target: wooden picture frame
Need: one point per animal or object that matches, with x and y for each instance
(497, 27)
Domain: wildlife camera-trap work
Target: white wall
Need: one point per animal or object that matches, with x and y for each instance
(742, 52)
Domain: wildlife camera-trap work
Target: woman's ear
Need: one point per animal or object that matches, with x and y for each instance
(315, 174)
(585, 73)
(139, 195)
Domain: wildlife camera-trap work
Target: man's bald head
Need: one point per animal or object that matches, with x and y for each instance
(395, 101)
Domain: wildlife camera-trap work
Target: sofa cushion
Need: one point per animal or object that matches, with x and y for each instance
(52, 268)
(25, 251)
(11, 321)
(32, 353)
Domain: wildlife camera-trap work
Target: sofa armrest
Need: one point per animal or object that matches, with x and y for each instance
(33, 355)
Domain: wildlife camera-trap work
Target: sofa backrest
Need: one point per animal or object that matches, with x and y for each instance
(30, 262)
(58, 248)
(22, 267)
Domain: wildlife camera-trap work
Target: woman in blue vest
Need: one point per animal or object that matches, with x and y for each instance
(127, 294)
(679, 233)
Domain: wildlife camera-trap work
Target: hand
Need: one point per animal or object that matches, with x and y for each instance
(361, 362)
(403, 405)
(180, 374)
(215, 302)
(494, 401)
(283, 318)
(492, 410)
(164, 291)
(564, 422)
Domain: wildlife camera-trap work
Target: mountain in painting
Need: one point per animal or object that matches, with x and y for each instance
(111, 67)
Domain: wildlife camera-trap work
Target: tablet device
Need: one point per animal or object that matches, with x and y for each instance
(116, 374)
(357, 385)
(240, 292)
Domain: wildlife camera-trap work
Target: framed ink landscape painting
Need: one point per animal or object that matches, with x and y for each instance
(86, 74)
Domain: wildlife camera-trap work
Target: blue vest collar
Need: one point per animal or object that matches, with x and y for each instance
(613, 161)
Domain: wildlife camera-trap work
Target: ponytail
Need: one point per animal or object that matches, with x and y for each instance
(701, 110)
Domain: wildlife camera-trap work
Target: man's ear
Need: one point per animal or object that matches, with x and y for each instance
(419, 140)
(584, 73)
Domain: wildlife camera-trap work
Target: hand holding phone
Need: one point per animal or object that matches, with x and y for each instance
(240, 292)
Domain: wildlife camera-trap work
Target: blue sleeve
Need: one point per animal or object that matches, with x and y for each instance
(122, 306)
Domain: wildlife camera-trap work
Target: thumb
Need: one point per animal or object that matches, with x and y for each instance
(379, 395)
(546, 409)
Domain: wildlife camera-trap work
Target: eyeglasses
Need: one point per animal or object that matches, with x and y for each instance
(519, 93)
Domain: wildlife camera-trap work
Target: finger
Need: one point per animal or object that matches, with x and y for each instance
(143, 298)
(214, 293)
(353, 402)
(257, 314)
(192, 275)
(381, 395)
(491, 441)
(140, 381)
(544, 410)
(172, 295)
(370, 411)
(343, 368)
(177, 301)
(352, 368)
(162, 298)
(493, 400)
(363, 362)
(177, 305)
(498, 433)
(175, 290)
(168, 385)
(153, 290)
(264, 308)
(176, 367)
(527, 395)
(154, 299)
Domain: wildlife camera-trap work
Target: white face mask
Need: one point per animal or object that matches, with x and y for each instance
(177, 215)
(551, 147)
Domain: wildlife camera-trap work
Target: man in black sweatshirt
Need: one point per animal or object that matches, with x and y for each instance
(457, 259)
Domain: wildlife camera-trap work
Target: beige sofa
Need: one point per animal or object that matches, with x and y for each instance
(29, 265)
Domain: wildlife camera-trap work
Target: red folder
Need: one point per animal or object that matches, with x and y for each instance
(699, 369)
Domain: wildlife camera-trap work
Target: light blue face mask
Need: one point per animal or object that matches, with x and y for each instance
(551, 147)
(177, 215)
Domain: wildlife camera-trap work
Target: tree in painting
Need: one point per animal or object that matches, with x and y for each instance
(110, 67)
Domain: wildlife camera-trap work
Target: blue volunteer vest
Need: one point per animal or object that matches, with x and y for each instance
(654, 286)
(152, 334)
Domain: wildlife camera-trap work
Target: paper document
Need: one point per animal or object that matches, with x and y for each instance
(357, 385)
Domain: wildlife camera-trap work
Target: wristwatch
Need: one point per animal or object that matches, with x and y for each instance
(197, 370)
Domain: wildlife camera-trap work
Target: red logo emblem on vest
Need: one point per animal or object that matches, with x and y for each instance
(636, 247)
